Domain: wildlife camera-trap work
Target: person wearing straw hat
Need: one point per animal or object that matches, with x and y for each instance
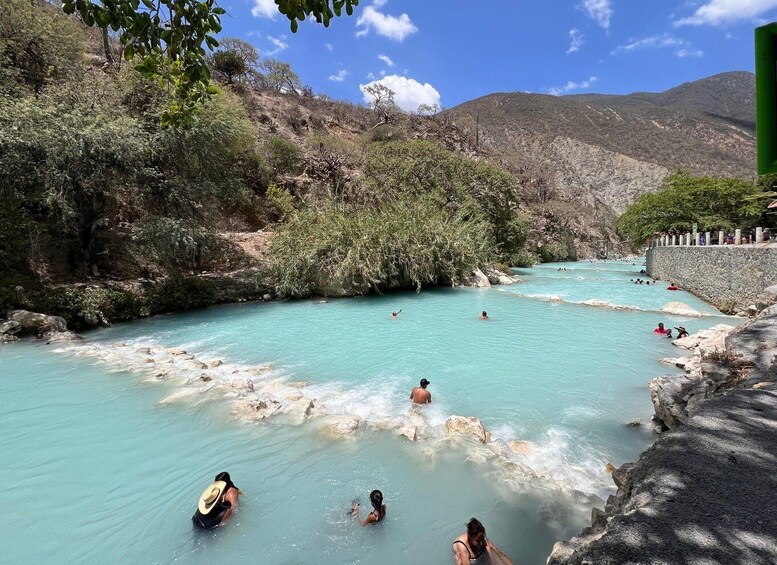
(217, 503)
(681, 332)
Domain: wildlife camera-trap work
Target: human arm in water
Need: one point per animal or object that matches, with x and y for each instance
(230, 499)
(496, 554)
(370, 519)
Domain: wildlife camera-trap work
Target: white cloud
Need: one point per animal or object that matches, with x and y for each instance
(329, 46)
(280, 44)
(409, 93)
(570, 86)
(396, 28)
(598, 10)
(386, 59)
(264, 9)
(719, 12)
(575, 41)
(379, 3)
(340, 76)
(682, 47)
(692, 52)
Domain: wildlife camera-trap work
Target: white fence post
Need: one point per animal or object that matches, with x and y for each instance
(738, 237)
(697, 238)
(721, 238)
(759, 235)
(707, 240)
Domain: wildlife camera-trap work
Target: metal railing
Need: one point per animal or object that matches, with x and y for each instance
(706, 239)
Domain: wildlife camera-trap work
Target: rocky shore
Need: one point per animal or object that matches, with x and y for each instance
(706, 491)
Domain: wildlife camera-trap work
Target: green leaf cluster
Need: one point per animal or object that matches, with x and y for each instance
(409, 243)
(711, 202)
(322, 10)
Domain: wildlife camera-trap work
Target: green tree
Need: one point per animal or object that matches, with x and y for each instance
(169, 38)
(230, 64)
(711, 202)
(278, 76)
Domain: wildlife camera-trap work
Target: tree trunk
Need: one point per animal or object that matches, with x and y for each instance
(107, 47)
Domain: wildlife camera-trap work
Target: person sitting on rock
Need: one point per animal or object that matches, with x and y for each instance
(473, 544)
(420, 395)
(681, 332)
(378, 509)
(484, 315)
(217, 503)
(394, 315)
(660, 329)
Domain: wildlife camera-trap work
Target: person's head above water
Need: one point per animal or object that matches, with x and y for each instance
(424, 383)
(376, 498)
(660, 325)
(224, 476)
(476, 535)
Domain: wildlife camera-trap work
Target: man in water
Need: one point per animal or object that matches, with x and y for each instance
(394, 315)
(420, 395)
(660, 329)
(484, 315)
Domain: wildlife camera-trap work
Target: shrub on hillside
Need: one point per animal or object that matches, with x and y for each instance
(178, 293)
(282, 155)
(410, 243)
(425, 167)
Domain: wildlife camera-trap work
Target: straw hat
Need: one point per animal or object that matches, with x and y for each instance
(211, 496)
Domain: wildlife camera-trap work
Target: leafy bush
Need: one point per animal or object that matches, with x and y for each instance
(425, 167)
(72, 303)
(409, 243)
(174, 243)
(37, 44)
(280, 201)
(713, 203)
(180, 293)
(282, 155)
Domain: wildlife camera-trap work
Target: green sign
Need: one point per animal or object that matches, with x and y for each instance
(766, 97)
(695, 227)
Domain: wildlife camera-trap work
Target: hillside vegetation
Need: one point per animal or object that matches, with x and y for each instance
(94, 188)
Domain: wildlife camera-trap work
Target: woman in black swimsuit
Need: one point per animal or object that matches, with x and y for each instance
(217, 503)
(473, 544)
(378, 509)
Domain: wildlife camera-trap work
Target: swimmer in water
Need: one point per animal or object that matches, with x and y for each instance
(484, 315)
(681, 332)
(396, 314)
(669, 333)
(217, 503)
(672, 287)
(378, 509)
(470, 546)
(660, 329)
(420, 395)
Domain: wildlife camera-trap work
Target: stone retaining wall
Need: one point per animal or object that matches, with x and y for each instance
(730, 277)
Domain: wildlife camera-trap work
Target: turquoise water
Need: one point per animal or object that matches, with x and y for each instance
(105, 459)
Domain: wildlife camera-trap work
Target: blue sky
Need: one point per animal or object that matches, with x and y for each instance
(451, 51)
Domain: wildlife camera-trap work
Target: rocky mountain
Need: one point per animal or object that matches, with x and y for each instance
(605, 150)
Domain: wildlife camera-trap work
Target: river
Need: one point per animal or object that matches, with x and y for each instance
(104, 460)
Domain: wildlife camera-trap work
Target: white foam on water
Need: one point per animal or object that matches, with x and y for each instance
(557, 461)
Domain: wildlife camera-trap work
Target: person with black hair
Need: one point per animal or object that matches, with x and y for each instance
(217, 503)
(473, 544)
(378, 509)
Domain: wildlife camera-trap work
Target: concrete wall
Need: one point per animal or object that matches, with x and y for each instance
(730, 277)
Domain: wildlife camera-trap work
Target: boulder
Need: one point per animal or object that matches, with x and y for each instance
(680, 309)
(33, 322)
(409, 431)
(8, 338)
(216, 363)
(521, 446)
(53, 336)
(620, 476)
(256, 410)
(471, 428)
(505, 279)
(176, 351)
(478, 279)
(344, 428)
(767, 297)
(10, 327)
(144, 350)
(297, 411)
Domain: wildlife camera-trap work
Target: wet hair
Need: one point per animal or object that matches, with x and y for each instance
(660, 324)
(476, 536)
(224, 476)
(484, 313)
(376, 498)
